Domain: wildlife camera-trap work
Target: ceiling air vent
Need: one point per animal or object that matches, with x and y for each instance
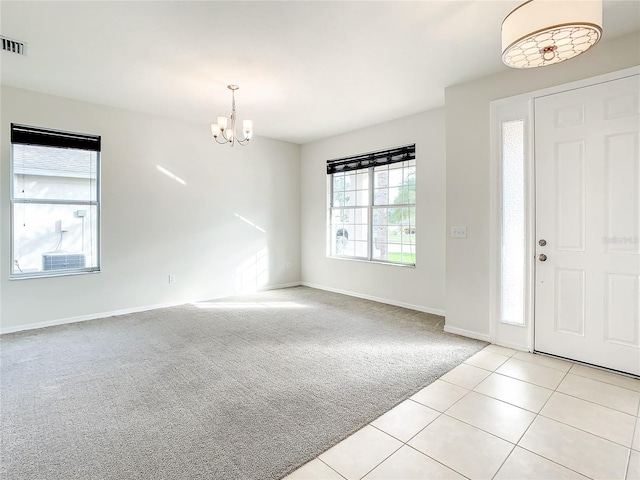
(13, 46)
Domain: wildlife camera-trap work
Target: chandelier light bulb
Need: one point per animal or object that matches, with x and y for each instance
(544, 32)
(247, 126)
(228, 127)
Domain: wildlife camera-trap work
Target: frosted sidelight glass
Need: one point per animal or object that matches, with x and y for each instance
(513, 223)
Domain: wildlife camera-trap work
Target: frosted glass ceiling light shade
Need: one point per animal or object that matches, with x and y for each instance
(543, 32)
(224, 131)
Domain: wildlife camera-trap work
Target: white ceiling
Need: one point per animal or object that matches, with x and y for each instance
(306, 70)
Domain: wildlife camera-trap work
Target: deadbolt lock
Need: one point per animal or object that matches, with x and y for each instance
(542, 242)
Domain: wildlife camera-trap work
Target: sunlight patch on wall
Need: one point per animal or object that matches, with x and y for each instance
(253, 274)
(170, 175)
(249, 222)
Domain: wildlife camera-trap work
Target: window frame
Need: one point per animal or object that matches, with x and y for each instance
(72, 138)
(370, 206)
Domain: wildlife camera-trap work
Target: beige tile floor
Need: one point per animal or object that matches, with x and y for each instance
(502, 415)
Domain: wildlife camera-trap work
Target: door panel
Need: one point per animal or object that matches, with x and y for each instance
(570, 302)
(569, 208)
(587, 296)
(622, 214)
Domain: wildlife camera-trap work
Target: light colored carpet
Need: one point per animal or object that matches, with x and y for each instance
(244, 388)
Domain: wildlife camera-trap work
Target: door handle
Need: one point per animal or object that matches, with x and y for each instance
(542, 257)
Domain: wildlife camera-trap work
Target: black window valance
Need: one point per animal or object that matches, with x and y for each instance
(373, 159)
(27, 135)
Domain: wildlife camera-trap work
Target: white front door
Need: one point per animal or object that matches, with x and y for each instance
(587, 296)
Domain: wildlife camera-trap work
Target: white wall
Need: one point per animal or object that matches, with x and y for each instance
(468, 182)
(421, 287)
(153, 226)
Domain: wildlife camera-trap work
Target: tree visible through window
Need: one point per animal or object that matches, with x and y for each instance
(54, 202)
(372, 206)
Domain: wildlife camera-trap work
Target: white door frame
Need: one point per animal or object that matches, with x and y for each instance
(512, 108)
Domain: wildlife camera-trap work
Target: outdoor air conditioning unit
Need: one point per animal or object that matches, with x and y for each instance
(62, 260)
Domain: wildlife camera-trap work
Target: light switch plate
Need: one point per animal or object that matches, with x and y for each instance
(459, 232)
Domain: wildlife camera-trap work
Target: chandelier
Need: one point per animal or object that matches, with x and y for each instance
(543, 32)
(225, 130)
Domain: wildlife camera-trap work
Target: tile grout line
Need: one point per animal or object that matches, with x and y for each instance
(537, 414)
(508, 402)
(385, 458)
(635, 431)
(596, 403)
(413, 436)
(406, 444)
(568, 372)
(436, 460)
(504, 461)
(553, 461)
(602, 381)
(318, 458)
(582, 430)
(571, 426)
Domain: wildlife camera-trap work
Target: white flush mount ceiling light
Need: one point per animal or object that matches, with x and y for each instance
(544, 32)
(225, 130)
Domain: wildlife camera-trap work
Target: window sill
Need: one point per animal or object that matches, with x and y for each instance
(376, 262)
(48, 275)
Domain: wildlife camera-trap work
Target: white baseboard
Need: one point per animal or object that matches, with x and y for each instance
(467, 333)
(283, 285)
(419, 308)
(94, 316)
(125, 311)
(512, 346)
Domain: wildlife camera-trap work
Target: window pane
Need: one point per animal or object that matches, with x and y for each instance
(344, 246)
(381, 196)
(513, 224)
(395, 175)
(396, 215)
(360, 249)
(363, 180)
(395, 195)
(362, 197)
(342, 216)
(407, 192)
(54, 173)
(51, 237)
(409, 175)
(388, 246)
(340, 239)
(380, 216)
(361, 232)
(350, 181)
(409, 235)
(381, 177)
(361, 216)
(349, 228)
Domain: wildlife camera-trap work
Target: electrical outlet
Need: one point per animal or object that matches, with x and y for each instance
(459, 232)
(172, 278)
